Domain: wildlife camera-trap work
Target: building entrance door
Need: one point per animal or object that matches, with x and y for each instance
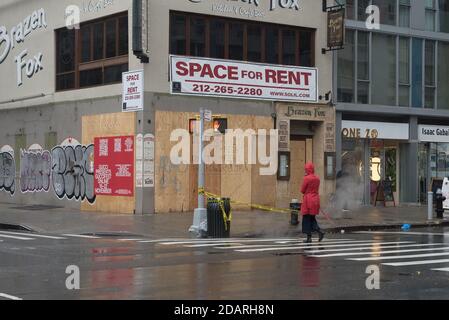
(301, 149)
(383, 166)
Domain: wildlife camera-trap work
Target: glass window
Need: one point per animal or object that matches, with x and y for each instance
(99, 41)
(444, 15)
(404, 72)
(363, 92)
(404, 13)
(254, 43)
(430, 15)
(272, 44)
(430, 74)
(91, 77)
(217, 39)
(288, 47)
(443, 75)
(350, 9)
(387, 11)
(361, 9)
(86, 44)
(417, 73)
(363, 55)
(197, 37)
(83, 63)
(177, 34)
(111, 38)
(236, 41)
(305, 48)
(384, 79)
(346, 70)
(123, 36)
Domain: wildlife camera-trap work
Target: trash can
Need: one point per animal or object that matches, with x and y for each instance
(295, 207)
(216, 225)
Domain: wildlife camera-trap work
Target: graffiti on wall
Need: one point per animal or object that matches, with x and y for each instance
(73, 172)
(35, 170)
(7, 172)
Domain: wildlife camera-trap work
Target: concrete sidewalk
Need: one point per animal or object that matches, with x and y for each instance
(176, 225)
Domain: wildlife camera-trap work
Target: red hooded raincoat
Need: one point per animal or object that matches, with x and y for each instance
(310, 188)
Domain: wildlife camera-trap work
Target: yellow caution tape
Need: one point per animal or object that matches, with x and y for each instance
(202, 191)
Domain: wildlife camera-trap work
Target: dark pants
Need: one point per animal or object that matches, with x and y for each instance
(309, 224)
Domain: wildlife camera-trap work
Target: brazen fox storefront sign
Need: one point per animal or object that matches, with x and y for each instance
(224, 78)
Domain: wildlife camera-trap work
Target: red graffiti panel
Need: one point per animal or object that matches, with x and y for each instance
(114, 166)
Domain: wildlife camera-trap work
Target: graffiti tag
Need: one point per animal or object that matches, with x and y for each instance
(7, 172)
(35, 171)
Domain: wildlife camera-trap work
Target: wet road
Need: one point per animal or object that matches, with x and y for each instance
(412, 265)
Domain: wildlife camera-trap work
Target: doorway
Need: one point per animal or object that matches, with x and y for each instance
(383, 166)
(301, 152)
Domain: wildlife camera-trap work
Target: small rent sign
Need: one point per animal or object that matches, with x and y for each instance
(133, 91)
(224, 78)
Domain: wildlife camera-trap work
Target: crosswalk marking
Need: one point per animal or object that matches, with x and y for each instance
(80, 236)
(15, 237)
(318, 246)
(8, 296)
(365, 242)
(346, 254)
(442, 269)
(403, 232)
(415, 263)
(227, 240)
(32, 235)
(379, 247)
(410, 256)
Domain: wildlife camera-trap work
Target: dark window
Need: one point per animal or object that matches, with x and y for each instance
(197, 37)
(306, 48)
(217, 39)
(236, 41)
(89, 78)
(111, 38)
(98, 41)
(178, 34)
(123, 46)
(254, 43)
(289, 47)
(98, 57)
(113, 74)
(86, 44)
(272, 44)
(225, 38)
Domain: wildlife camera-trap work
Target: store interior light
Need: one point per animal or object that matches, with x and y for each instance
(375, 169)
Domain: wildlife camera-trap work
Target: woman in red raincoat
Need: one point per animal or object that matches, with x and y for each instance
(310, 206)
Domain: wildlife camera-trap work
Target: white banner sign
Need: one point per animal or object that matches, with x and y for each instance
(375, 130)
(224, 78)
(133, 90)
(433, 133)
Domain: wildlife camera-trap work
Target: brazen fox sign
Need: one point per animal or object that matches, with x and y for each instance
(198, 76)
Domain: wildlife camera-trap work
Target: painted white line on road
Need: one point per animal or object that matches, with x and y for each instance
(325, 240)
(227, 240)
(410, 256)
(8, 296)
(80, 236)
(442, 269)
(415, 263)
(403, 232)
(16, 238)
(298, 241)
(318, 246)
(366, 242)
(379, 247)
(130, 239)
(346, 254)
(33, 235)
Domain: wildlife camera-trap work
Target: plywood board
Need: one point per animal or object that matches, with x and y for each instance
(109, 125)
(171, 181)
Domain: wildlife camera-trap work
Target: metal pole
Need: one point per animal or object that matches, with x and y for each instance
(200, 214)
(201, 162)
(429, 205)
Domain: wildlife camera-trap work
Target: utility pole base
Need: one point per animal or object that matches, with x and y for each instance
(199, 226)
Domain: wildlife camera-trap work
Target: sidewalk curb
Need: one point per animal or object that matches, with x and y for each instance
(435, 223)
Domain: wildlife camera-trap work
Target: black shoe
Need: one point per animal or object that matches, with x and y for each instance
(309, 239)
(321, 236)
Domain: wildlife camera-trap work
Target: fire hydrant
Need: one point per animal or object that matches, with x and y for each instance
(439, 199)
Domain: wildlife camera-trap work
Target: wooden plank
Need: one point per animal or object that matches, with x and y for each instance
(109, 125)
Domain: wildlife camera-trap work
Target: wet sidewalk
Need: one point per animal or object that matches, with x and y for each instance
(176, 225)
